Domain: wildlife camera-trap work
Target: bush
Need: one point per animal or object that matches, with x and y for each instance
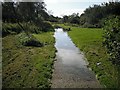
(87, 25)
(47, 26)
(112, 38)
(26, 41)
(14, 28)
(32, 42)
(57, 26)
(32, 28)
(9, 28)
(66, 29)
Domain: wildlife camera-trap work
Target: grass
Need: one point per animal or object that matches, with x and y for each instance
(65, 27)
(89, 41)
(28, 67)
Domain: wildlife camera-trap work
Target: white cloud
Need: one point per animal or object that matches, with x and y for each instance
(67, 7)
(67, 12)
(57, 1)
(51, 1)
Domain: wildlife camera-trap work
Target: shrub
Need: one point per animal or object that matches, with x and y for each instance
(32, 28)
(87, 25)
(14, 28)
(29, 41)
(66, 29)
(47, 27)
(32, 42)
(57, 26)
(9, 28)
(112, 38)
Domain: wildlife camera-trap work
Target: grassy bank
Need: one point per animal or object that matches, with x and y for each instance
(89, 40)
(28, 66)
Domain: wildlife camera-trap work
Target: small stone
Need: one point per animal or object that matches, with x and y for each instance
(99, 63)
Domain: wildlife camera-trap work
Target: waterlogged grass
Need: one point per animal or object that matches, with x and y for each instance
(28, 67)
(89, 40)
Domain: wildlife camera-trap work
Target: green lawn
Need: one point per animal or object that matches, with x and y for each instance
(89, 40)
(28, 66)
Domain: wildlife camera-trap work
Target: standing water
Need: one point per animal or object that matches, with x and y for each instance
(70, 69)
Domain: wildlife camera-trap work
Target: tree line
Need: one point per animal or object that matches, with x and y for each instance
(106, 16)
(94, 15)
(26, 18)
(24, 14)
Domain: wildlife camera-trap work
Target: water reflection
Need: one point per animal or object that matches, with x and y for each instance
(68, 52)
(62, 40)
(70, 69)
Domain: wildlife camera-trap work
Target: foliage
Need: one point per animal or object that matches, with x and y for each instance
(73, 19)
(54, 19)
(93, 15)
(112, 38)
(32, 28)
(14, 28)
(23, 11)
(30, 17)
(47, 26)
(88, 25)
(32, 42)
(65, 19)
(56, 26)
(8, 28)
(26, 41)
(65, 27)
(8, 17)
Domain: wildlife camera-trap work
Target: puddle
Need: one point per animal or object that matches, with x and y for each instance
(70, 69)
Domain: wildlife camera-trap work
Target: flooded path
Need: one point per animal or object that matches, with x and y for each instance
(70, 69)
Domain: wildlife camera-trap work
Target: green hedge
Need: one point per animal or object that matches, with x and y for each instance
(112, 38)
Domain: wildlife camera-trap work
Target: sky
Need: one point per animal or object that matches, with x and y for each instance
(67, 7)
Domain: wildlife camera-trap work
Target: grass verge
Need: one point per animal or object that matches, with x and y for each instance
(27, 67)
(89, 40)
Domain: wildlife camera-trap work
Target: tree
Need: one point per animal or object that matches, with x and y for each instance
(73, 19)
(8, 17)
(93, 15)
(65, 18)
(28, 12)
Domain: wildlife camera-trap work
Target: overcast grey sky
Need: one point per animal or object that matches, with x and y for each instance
(67, 7)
